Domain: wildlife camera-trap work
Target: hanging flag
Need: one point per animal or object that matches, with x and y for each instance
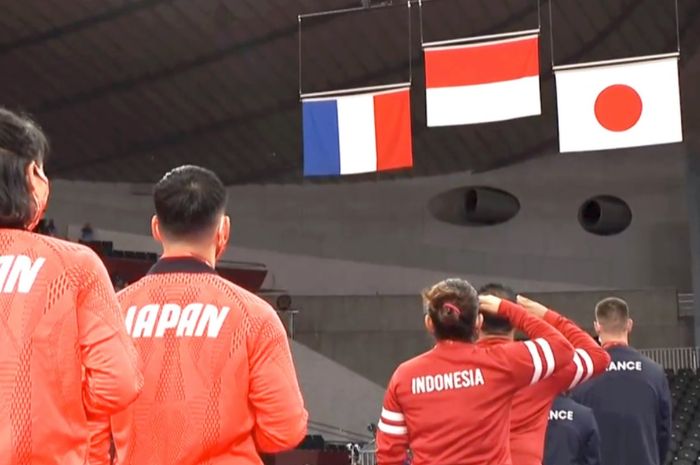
(483, 82)
(357, 133)
(619, 105)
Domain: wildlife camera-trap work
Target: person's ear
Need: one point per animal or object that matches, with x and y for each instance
(596, 327)
(155, 229)
(630, 325)
(429, 324)
(223, 235)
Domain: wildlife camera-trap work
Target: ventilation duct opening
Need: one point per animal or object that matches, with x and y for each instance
(605, 215)
(474, 206)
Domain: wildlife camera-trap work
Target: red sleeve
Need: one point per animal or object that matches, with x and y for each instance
(590, 359)
(112, 379)
(546, 353)
(280, 417)
(392, 433)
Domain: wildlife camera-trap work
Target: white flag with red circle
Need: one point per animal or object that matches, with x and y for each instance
(619, 105)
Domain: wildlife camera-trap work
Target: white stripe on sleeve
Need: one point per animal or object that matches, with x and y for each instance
(392, 416)
(548, 356)
(391, 429)
(579, 371)
(536, 361)
(589, 363)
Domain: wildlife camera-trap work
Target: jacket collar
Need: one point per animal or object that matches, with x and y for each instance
(180, 265)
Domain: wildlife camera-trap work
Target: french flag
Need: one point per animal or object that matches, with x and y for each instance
(359, 133)
(482, 82)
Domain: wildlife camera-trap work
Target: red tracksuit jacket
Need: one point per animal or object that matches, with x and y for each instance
(531, 406)
(451, 405)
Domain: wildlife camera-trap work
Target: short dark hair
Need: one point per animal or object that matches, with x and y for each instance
(21, 142)
(441, 302)
(612, 314)
(189, 201)
(494, 324)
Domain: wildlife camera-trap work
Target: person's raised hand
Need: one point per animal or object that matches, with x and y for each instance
(532, 307)
(489, 304)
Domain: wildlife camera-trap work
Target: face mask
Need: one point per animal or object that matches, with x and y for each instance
(221, 240)
(40, 203)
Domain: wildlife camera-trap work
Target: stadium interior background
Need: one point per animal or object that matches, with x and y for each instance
(128, 89)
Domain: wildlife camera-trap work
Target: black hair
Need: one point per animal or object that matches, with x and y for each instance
(189, 200)
(453, 306)
(494, 324)
(612, 314)
(21, 142)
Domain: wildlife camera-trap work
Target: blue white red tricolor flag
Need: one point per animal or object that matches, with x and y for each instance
(359, 133)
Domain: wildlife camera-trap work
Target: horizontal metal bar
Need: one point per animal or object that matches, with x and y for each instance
(349, 10)
(466, 40)
(331, 93)
(616, 61)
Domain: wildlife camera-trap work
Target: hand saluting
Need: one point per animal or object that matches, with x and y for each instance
(489, 304)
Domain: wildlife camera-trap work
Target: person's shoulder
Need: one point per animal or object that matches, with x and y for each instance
(130, 292)
(70, 252)
(250, 303)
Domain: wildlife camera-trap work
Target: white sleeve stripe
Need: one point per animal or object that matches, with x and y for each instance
(579, 371)
(391, 429)
(396, 417)
(589, 363)
(548, 356)
(536, 361)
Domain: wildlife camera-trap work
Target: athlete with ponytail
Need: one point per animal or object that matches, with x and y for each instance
(451, 405)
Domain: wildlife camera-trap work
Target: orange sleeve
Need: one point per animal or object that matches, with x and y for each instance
(99, 443)
(280, 416)
(112, 379)
(392, 433)
(590, 359)
(547, 353)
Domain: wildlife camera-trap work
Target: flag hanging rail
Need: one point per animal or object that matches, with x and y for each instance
(466, 40)
(615, 61)
(556, 67)
(359, 9)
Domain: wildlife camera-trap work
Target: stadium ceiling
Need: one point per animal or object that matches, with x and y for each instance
(127, 89)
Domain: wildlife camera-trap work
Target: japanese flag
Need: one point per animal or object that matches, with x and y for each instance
(619, 105)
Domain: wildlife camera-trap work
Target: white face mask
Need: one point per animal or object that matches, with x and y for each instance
(40, 204)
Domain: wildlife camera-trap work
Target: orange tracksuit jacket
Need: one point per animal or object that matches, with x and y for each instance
(220, 385)
(64, 355)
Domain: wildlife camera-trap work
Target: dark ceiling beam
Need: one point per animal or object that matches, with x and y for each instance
(178, 68)
(79, 25)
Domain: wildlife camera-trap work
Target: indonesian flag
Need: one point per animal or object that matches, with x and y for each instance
(619, 105)
(358, 133)
(483, 82)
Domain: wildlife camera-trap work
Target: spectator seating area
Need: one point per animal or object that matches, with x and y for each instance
(685, 430)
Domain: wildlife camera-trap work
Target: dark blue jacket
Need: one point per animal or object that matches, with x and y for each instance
(632, 406)
(572, 435)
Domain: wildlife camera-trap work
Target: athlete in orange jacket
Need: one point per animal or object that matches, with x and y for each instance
(64, 354)
(220, 384)
(451, 405)
(531, 406)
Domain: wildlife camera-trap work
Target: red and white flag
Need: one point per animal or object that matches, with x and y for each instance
(619, 105)
(482, 82)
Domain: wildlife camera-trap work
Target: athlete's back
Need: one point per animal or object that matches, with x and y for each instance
(64, 354)
(219, 375)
